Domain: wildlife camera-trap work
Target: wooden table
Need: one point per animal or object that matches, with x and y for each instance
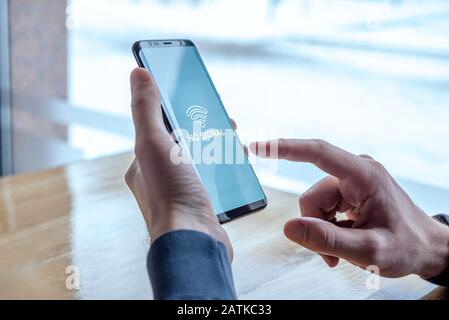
(82, 220)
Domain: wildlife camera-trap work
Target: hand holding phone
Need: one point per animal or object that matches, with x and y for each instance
(171, 197)
(195, 113)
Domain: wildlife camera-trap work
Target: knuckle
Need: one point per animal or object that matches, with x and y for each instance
(140, 149)
(376, 165)
(304, 197)
(366, 156)
(372, 173)
(305, 202)
(138, 102)
(129, 176)
(144, 143)
(330, 240)
(377, 172)
(281, 141)
(280, 147)
(323, 145)
(306, 236)
(375, 248)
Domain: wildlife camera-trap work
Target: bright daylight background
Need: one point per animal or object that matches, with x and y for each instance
(369, 76)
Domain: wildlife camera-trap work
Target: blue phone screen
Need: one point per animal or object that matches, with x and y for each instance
(192, 104)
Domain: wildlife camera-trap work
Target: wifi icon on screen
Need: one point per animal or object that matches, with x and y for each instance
(198, 114)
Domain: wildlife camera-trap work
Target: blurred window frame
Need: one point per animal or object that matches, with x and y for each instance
(5, 101)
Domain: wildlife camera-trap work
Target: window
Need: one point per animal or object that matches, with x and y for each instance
(369, 76)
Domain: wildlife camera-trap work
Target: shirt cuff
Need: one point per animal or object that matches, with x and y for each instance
(443, 278)
(190, 265)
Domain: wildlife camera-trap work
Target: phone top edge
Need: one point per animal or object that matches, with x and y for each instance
(162, 43)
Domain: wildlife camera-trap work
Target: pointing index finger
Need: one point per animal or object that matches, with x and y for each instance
(327, 157)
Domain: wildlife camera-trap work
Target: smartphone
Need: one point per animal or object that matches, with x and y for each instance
(194, 112)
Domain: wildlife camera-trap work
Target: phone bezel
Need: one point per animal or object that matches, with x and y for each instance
(136, 48)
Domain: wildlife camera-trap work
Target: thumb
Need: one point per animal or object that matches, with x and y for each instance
(146, 105)
(326, 238)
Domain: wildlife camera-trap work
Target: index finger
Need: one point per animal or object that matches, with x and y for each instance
(327, 157)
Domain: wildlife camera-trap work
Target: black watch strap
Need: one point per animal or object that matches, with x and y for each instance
(443, 278)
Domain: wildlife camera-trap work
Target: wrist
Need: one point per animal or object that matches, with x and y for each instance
(160, 223)
(437, 250)
(163, 222)
(162, 217)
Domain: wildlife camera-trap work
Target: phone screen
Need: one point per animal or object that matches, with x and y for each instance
(193, 106)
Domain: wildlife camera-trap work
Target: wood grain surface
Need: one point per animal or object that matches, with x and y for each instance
(83, 218)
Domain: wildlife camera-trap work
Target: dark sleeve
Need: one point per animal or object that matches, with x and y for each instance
(190, 265)
(443, 278)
